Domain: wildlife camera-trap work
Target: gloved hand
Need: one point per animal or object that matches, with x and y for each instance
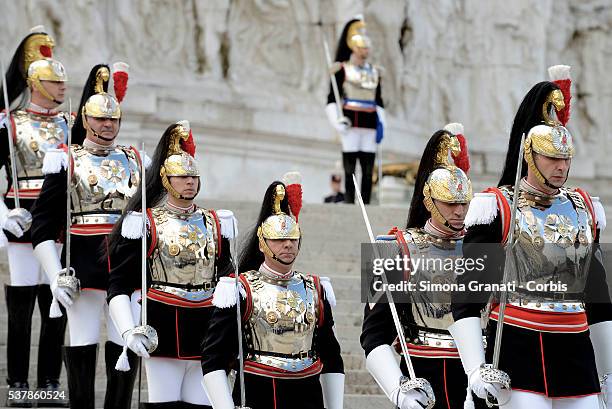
(383, 366)
(13, 226)
(413, 399)
(340, 124)
(17, 221)
(138, 343)
(481, 388)
(63, 294)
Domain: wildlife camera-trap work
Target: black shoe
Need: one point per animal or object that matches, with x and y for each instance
(119, 384)
(81, 370)
(17, 395)
(160, 405)
(52, 396)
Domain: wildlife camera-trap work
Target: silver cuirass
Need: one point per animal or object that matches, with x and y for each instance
(102, 183)
(360, 83)
(184, 253)
(35, 135)
(554, 245)
(281, 325)
(436, 257)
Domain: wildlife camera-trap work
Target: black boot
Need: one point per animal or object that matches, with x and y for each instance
(50, 352)
(20, 306)
(160, 405)
(119, 385)
(81, 370)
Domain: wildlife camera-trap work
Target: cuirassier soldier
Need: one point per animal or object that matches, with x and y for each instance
(434, 230)
(187, 252)
(554, 342)
(355, 107)
(291, 357)
(35, 126)
(84, 192)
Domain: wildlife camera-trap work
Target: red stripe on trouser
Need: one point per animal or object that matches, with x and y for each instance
(445, 387)
(543, 366)
(274, 391)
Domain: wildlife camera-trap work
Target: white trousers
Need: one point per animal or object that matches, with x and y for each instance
(85, 318)
(359, 140)
(528, 400)
(171, 380)
(23, 266)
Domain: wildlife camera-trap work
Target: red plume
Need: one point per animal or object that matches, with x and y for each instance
(189, 145)
(46, 51)
(560, 75)
(293, 184)
(120, 79)
(462, 161)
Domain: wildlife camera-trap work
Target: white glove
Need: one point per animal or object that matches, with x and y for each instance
(17, 221)
(120, 310)
(413, 399)
(217, 388)
(62, 294)
(12, 225)
(467, 335)
(480, 387)
(138, 343)
(333, 390)
(339, 124)
(383, 366)
(46, 254)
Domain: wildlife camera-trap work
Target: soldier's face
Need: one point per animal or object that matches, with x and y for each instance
(57, 89)
(107, 128)
(454, 213)
(187, 186)
(362, 52)
(284, 249)
(553, 169)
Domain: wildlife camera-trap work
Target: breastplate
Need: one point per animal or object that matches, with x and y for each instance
(283, 321)
(360, 82)
(102, 183)
(554, 245)
(432, 309)
(186, 248)
(35, 135)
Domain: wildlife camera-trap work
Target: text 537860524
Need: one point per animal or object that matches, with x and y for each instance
(39, 395)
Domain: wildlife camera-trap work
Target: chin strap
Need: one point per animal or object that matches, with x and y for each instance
(435, 213)
(97, 135)
(266, 250)
(43, 91)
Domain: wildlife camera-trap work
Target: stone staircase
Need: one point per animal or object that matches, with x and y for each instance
(331, 247)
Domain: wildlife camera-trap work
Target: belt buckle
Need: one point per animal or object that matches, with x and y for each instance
(303, 354)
